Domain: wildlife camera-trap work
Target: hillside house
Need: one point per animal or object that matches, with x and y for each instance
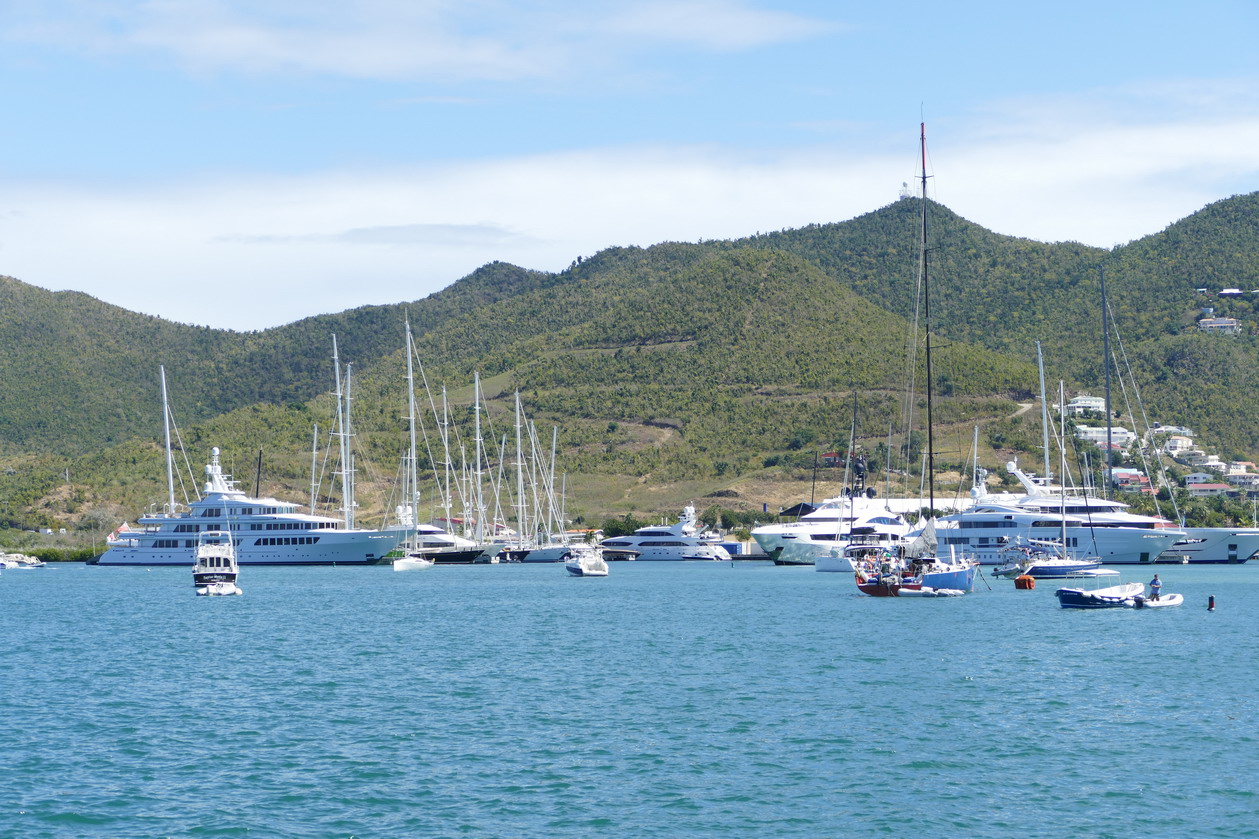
(1131, 480)
(1178, 444)
(1083, 404)
(1227, 326)
(1194, 478)
(1201, 460)
(1209, 490)
(1244, 480)
(1120, 437)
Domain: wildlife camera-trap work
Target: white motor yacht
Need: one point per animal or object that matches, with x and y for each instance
(1083, 525)
(266, 531)
(674, 542)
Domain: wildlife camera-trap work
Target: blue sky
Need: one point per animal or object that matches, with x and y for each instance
(246, 164)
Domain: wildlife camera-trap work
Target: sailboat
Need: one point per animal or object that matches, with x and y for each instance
(916, 569)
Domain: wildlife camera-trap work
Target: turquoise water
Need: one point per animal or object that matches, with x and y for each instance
(667, 700)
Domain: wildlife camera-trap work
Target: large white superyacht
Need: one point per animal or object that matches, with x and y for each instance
(1085, 525)
(1199, 545)
(265, 531)
(822, 534)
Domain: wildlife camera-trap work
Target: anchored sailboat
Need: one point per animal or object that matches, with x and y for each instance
(916, 570)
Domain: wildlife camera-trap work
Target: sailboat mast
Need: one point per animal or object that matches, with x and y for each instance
(1044, 414)
(478, 495)
(555, 514)
(926, 312)
(348, 476)
(521, 525)
(1062, 448)
(1106, 481)
(170, 463)
(343, 402)
(413, 476)
(314, 464)
(448, 498)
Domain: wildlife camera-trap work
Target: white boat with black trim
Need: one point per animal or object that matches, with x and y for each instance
(214, 571)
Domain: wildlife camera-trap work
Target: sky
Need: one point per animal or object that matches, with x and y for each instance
(243, 164)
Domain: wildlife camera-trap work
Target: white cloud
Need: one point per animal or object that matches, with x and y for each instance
(1098, 168)
(256, 252)
(497, 40)
(713, 24)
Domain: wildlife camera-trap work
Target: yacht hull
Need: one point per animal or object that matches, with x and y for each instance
(361, 548)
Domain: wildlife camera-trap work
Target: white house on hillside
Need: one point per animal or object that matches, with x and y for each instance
(1228, 326)
(1178, 444)
(1083, 404)
(1119, 436)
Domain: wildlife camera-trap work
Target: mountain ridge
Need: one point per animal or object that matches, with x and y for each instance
(743, 347)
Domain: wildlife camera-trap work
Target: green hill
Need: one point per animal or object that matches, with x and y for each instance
(689, 364)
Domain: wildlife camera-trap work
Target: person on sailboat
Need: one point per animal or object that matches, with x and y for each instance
(1155, 586)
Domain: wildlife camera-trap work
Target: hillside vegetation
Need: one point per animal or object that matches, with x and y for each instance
(704, 367)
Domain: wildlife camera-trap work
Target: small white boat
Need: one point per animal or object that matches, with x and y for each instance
(1143, 602)
(1121, 596)
(928, 591)
(15, 561)
(412, 562)
(586, 561)
(1042, 559)
(214, 572)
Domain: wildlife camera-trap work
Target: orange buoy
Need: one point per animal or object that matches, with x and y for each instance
(1025, 581)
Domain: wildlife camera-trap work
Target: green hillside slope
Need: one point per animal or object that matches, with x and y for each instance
(677, 362)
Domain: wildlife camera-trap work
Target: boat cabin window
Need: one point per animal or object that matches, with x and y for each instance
(211, 513)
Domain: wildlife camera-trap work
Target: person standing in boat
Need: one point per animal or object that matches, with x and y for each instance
(1155, 586)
